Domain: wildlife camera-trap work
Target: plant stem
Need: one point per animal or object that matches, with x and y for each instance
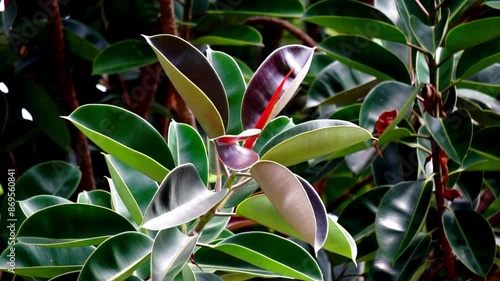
(284, 24)
(186, 30)
(207, 217)
(79, 141)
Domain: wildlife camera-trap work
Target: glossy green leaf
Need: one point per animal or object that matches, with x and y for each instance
(423, 33)
(44, 262)
(234, 83)
(55, 178)
(61, 226)
(69, 276)
(295, 199)
(405, 267)
(36, 203)
(208, 277)
(181, 198)
(358, 217)
(118, 257)
(485, 143)
(45, 113)
(215, 227)
(271, 8)
(470, 184)
(349, 113)
(478, 57)
(204, 94)
(171, 251)
(338, 241)
(400, 215)
(365, 55)
(273, 253)
(453, 133)
(471, 238)
(95, 197)
(211, 259)
(241, 193)
(292, 60)
(110, 127)
(186, 274)
(276, 126)
(384, 97)
(312, 139)
(187, 146)
(118, 205)
(465, 36)
(232, 35)
(339, 84)
(352, 17)
(123, 56)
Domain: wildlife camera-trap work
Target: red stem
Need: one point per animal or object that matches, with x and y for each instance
(79, 143)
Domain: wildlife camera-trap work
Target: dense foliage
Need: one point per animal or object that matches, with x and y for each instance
(311, 140)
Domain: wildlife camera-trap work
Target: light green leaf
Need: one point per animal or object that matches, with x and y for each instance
(312, 139)
(126, 136)
(61, 226)
(117, 257)
(181, 198)
(204, 94)
(338, 241)
(187, 146)
(123, 56)
(471, 238)
(400, 215)
(171, 251)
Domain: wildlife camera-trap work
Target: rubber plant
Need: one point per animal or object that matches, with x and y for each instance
(165, 215)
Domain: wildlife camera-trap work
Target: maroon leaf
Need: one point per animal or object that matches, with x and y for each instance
(235, 156)
(243, 136)
(289, 64)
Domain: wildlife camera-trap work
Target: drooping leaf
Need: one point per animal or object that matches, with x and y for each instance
(273, 253)
(182, 197)
(352, 17)
(293, 60)
(43, 262)
(233, 80)
(465, 36)
(110, 128)
(312, 139)
(171, 251)
(45, 113)
(204, 94)
(232, 35)
(295, 199)
(471, 238)
(61, 226)
(400, 216)
(54, 178)
(272, 8)
(406, 266)
(36, 203)
(187, 146)
(339, 84)
(96, 197)
(453, 133)
(338, 241)
(117, 257)
(123, 56)
(477, 58)
(365, 55)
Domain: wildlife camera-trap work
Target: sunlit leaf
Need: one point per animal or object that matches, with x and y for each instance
(36, 203)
